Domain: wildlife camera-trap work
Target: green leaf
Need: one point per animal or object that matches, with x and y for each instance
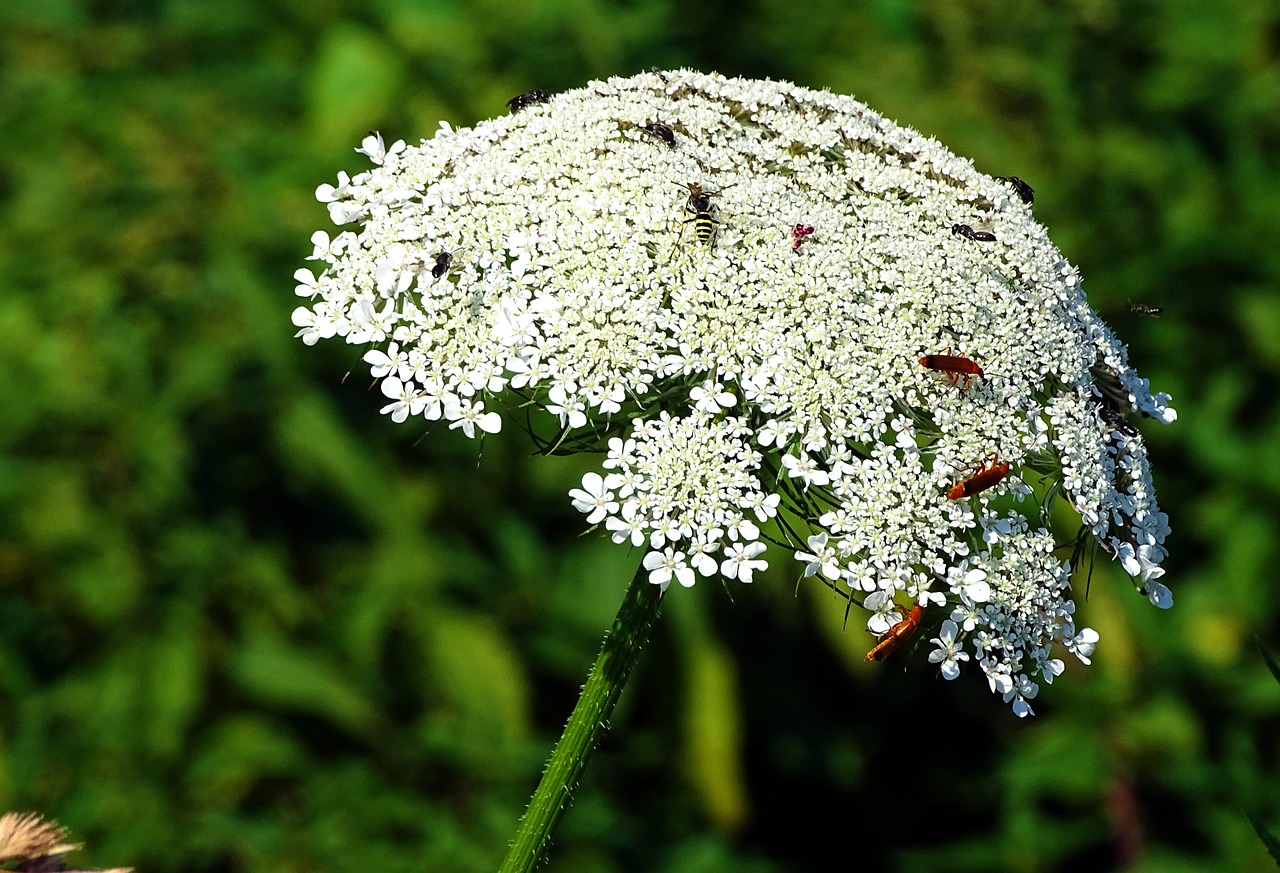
(479, 678)
(293, 678)
(174, 683)
(1266, 656)
(713, 733)
(1268, 839)
(237, 754)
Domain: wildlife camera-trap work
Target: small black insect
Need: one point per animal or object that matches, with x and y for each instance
(968, 232)
(1144, 309)
(1116, 420)
(1025, 191)
(443, 260)
(662, 132)
(529, 98)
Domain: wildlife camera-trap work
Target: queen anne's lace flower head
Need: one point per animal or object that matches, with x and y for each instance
(783, 317)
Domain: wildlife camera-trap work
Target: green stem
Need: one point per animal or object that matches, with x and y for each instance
(587, 724)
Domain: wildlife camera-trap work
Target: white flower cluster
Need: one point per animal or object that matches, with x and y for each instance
(774, 305)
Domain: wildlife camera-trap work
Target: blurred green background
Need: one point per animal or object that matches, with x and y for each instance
(248, 624)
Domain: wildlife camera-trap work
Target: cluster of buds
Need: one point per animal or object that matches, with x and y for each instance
(739, 396)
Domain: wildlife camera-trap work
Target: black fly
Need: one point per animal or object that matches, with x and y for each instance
(968, 232)
(527, 99)
(662, 132)
(1025, 191)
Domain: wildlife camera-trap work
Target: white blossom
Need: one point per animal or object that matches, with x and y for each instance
(307, 286)
(749, 380)
(376, 150)
(949, 652)
(712, 398)
(667, 565)
(740, 561)
(973, 587)
(408, 400)
(595, 497)
(821, 560)
(806, 469)
(1080, 644)
(1159, 595)
(885, 612)
(630, 525)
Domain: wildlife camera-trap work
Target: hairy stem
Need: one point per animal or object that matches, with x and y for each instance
(587, 724)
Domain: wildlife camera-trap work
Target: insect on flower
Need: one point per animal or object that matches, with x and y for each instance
(528, 263)
(699, 205)
(1116, 420)
(798, 233)
(896, 635)
(968, 232)
(661, 131)
(527, 99)
(954, 367)
(983, 477)
(1025, 191)
(443, 260)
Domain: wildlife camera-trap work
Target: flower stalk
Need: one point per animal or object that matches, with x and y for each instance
(587, 724)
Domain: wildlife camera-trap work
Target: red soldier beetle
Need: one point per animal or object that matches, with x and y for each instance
(896, 635)
(954, 367)
(983, 477)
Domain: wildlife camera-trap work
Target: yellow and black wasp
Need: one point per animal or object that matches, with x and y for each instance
(703, 212)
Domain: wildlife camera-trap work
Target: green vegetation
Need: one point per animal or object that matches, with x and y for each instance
(248, 624)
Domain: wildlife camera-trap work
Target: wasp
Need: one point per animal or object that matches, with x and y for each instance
(661, 131)
(699, 206)
(1144, 309)
(968, 232)
(955, 367)
(896, 635)
(527, 99)
(983, 477)
(1116, 420)
(798, 233)
(1025, 191)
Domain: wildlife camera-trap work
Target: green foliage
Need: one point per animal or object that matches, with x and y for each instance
(1268, 838)
(1270, 661)
(246, 623)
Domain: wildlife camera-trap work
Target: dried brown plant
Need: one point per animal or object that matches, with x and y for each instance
(37, 846)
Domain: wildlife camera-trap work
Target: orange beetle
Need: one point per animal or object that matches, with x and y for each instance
(896, 635)
(983, 478)
(955, 367)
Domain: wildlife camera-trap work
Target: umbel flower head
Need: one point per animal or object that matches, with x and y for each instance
(781, 318)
